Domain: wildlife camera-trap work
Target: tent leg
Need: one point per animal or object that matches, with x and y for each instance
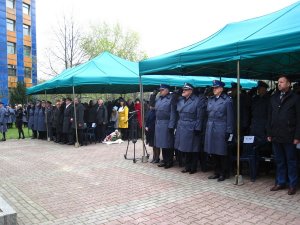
(238, 177)
(75, 120)
(144, 157)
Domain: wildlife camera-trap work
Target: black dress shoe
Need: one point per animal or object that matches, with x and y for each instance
(215, 176)
(277, 187)
(292, 191)
(192, 171)
(221, 178)
(168, 166)
(185, 171)
(70, 143)
(161, 165)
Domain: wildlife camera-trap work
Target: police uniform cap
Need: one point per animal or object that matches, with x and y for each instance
(217, 83)
(164, 86)
(262, 84)
(1, 103)
(188, 86)
(69, 99)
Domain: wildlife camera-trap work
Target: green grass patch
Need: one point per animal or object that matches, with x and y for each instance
(12, 133)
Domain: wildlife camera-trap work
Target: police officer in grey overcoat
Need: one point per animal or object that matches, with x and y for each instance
(3, 121)
(164, 125)
(191, 111)
(41, 128)
(218, 129)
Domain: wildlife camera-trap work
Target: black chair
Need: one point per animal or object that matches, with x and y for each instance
(90, 135)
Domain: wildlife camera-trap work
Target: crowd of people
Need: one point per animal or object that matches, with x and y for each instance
(193, 124)
(57, 122)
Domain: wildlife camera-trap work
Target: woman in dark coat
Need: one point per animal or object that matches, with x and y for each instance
(19, 121)
(150, 130)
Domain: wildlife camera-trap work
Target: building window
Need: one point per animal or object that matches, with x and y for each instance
(27, 72)
(11, 48)
(10, 24)
(27, 51)
(26, 30)
(10, 4)
(26, 9)
(12, 71)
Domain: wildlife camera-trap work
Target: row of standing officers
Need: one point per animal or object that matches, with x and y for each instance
(214, 119)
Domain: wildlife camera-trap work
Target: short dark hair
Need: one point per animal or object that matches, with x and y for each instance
(288, 78)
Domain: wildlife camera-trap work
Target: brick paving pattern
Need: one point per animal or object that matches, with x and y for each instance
(48, 183)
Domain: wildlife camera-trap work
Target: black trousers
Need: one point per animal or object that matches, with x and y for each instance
(191, 160)
(100, 132)
(34, 133)
(221, 165)
(80, 136)
(168, 154)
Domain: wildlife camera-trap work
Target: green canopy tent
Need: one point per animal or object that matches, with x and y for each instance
(265, 46)
(259, 48)
(108, 73)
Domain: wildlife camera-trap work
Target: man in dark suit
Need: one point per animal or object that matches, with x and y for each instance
(67, 131)
(77, 120)
(101, 120)
(284, 133)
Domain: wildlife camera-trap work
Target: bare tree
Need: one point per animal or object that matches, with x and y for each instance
(67, 51)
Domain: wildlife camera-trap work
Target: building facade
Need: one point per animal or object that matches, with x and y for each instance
(17, 45)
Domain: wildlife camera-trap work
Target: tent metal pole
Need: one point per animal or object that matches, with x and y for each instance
(238, 177)
(48, 138)
(75, 120)
(144, 157)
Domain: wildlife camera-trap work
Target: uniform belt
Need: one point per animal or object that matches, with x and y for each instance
(187, 117)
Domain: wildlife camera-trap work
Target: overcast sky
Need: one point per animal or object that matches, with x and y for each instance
(163, 25)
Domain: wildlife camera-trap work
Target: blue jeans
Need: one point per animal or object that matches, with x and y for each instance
(286, 164)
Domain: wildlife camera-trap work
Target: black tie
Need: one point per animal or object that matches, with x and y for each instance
(282, 95)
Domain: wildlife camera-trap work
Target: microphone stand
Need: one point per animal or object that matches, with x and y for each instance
(133, 135)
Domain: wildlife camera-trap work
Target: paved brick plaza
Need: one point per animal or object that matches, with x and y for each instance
(48, 183)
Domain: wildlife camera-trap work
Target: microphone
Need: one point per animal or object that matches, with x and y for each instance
(134, 112)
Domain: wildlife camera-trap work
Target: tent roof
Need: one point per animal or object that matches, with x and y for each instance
(266, 45)
(108, 73)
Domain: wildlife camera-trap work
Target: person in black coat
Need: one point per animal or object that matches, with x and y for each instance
(58, 118)
(67, 131)
(19, 121)
(78, 120)
(101, 120)
(150, 129)
(259, 112)
(284, 132)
